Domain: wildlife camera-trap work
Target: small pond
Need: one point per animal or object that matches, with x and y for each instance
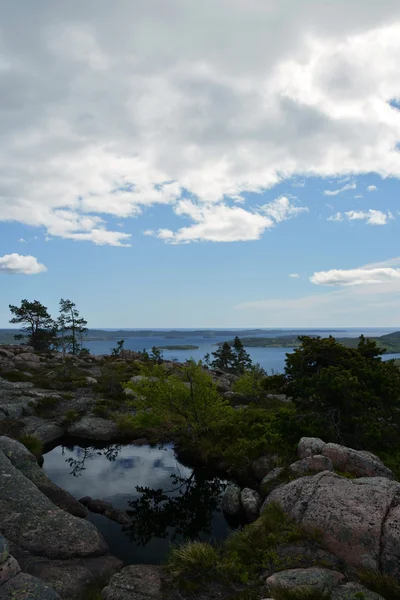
(167, 501)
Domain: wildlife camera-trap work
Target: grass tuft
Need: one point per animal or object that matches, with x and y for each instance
(193, 560)
(388, 587)
(32, 443)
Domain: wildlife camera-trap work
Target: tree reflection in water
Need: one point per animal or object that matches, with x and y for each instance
(77, 463)
(187, 514)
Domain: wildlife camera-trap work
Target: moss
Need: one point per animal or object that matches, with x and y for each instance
(345, 474)
(32, 443)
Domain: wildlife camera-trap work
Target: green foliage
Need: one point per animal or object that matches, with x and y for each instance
(388, 587)
(250, 385)
(233, 359)
(156, 355)
(15, 376)
(32, 443)
(117, 350)
(126, 424)
(304, 593)
(37, 323)
(188, 400)
(113, 377)
(354, 395)
(193, 560)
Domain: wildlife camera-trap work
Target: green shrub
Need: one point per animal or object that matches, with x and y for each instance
(386, 586)
(16, 376)
(45, 405)
(32, 443)
(194, 560)
(126, 424)
(70, 416)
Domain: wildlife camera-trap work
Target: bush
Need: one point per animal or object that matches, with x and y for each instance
(70, 416)
(193, 560)
(44, 405)
(32, 443)
(384, 585)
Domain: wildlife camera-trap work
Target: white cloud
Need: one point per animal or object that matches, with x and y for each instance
(281, 209)
(22, 241)
(371, 216)
(372, 188)
(96, 125)
(355, 276)
(14, 264)
(294, 275)
(349, 186)
(358, 196)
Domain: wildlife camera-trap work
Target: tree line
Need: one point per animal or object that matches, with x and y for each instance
(43, 333)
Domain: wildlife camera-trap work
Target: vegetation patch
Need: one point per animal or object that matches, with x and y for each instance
(32, 443)
(305, 593)
(388, 587)
(44, 405)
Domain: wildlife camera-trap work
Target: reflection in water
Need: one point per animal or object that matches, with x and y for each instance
(187, 514)
(166, 500)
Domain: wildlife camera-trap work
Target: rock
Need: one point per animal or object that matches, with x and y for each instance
(231, 503)
(251, 502)
(354, 591)
(26, 463)
(271, 481)
(262, 466)
(94, 428)
(8, 569)
(27, 357)
(136, 582)
(90, 381)
(129, 392)
(311, 464)
(302, 555)
(4, 549)
(30, 520)
(351, 515)
(309, 447)
(70, 578)
(46, 431)
(316, 578)
(6, 353)
(356, 462)
(106, 509)
(26, 587)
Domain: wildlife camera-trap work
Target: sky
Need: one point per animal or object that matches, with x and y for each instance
(223, 163)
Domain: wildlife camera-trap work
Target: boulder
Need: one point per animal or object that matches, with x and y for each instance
(318, 579)
(90, 381)
(94, 428)
(356, 462)
(46, 431)
(9, 569)
(6, 353)
(136, 582)
(351, 515)
(26, 463)
(27, 357)
(271, 481)
(106, 509)
(30, 520)
(251, 502)
(231, 503)
(262, 466)
(311, 464)
(26, 587)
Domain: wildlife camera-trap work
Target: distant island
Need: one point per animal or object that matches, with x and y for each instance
(178, 347)
(389, 342)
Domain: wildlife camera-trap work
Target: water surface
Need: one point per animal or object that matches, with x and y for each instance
(167, 501)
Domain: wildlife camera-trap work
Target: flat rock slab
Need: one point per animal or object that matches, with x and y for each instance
(25, 462)
(26, 587)
(354, 591)
(94, 428)
(316, 578)
(46, 431)
(136, 582)
(350, 514)
(30, 520)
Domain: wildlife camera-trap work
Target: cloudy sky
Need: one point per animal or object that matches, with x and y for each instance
(193, 164)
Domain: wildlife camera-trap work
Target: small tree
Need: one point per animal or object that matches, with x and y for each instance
(72, 327)
(156, 355)
(37, 323)
(243, 360)
(224, 358)
(120, 346)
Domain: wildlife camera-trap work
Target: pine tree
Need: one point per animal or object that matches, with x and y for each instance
(71, 326)
(224, 358)
(37, 323)
(243, 360)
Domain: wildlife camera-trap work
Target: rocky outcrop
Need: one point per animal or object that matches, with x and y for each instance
(358, 519)
(26, 463)
(231, 503)
(107, 509)
(251, 502)
(311, 464)
(319, 580)
(94, 428)
(355, 462)
(136, 582)
(271, 481)
(28, 518)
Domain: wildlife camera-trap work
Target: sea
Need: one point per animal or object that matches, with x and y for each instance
(271, 359)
